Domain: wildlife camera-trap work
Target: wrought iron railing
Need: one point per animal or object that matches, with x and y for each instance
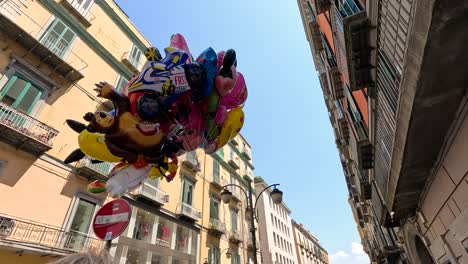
(103, 168)
(15, 11)
(217, 225)
(152, 192)
(188, 210)
(26, 125)
(24, 232)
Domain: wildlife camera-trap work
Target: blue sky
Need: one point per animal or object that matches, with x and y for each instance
(286, 119)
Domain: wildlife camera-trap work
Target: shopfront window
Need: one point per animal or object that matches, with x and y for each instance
(144, 226)
(164, 234)
(184, 238)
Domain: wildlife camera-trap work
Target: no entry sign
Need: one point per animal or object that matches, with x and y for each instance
(112, 219)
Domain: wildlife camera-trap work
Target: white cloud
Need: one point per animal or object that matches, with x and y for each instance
(355, 256)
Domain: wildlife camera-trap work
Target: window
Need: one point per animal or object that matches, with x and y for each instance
(274, 237)
(20, 93)
(214, 255)
(277, 258)
(220, 153)
(233, 181)
(187, 192)
(214, 208)
(233, 220)
(121, 82)
(246, 169)
(82, 6)
(144, 223)
(134, 56)
(81, 222)
(216, 171)
(58, 38)
(235, 258)
(272, 221)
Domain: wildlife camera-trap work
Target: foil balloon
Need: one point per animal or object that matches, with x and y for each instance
(178, 41)
(174, 105)
(232, 126)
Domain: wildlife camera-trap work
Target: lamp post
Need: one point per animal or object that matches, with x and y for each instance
(276, 196)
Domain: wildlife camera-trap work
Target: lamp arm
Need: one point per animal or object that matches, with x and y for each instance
(258, 196)
(232, 184)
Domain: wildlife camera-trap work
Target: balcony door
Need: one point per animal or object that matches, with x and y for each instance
(187, 192)
(58, 38)
(214, 208)
(21, 94)
(81, 221)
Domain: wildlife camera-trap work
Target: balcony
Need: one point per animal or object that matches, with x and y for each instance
(77, 9)
(250, 243)
(25, 234)
(337, 84)
(344, 128)
(246, 154)
(322, 6)
(234, 163)
(234, 142)
(366, 190)
(216, 227)
(358, 49)
(24, 131)
(235, 196)
(365, 154)
(19, 27)
(191, 162)
(235, 237)
(133, 66)
(93, 171)
(316, 36)
(216, 183)
(151, 194)
(187, 211)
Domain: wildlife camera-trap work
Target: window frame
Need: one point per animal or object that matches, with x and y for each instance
(29, 84)
(185, 180)
(52, 23)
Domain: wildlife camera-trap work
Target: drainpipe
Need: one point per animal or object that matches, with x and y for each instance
(203, 207)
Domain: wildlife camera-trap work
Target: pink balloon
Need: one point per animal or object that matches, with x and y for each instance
(178, 41)
(221, 115)
(237, 96)
(211, 147)
(224, 85)
(192, 139)
(220, 59)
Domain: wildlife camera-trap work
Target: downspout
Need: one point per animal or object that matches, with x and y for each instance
(203, 206)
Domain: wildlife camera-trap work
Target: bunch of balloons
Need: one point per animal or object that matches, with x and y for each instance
(175, 105)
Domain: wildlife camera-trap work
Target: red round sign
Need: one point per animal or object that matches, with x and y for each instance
(112, 219)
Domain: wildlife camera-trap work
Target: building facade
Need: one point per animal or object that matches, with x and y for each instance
(52, 53)
(275, 229)
(392, 78)
(307, 246)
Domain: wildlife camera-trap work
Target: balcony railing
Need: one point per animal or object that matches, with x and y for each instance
(91, 170)
(189, 211)
(191, 161)
(18, 25)
(216, 183)
(152, 193)
(130, 62)
(25, 131)
(235, 236)
(246, 154)
(234, 163)
(24, 233)
(216, 226)
(79, 10)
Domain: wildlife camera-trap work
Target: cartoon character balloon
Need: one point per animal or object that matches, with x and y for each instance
(175, 105)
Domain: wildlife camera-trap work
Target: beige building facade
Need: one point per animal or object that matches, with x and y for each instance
(307, 246)
(52, 53)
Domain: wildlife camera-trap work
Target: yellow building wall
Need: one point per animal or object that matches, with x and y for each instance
(10, 257)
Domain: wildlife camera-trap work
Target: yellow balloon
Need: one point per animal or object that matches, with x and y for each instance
(231, 127)
(93, 145)
(154, 173)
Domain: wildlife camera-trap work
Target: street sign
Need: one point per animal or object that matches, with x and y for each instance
(112, 219)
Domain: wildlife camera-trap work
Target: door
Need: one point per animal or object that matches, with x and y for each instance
(187, 192)
(58, 38)
(22, 95)
(80, 224)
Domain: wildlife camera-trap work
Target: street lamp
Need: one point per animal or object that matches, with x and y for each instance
(276, 196)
